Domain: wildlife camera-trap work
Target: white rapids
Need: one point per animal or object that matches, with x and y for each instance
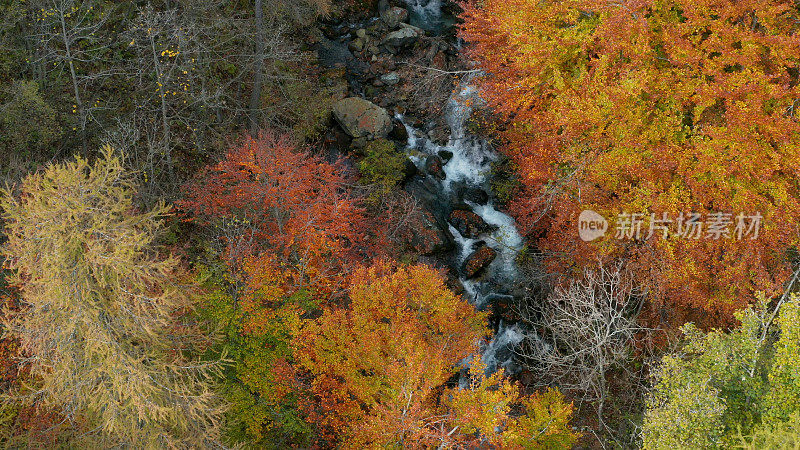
(471, 164)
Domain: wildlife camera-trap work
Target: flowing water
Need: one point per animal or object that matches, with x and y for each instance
(426, 14)
(471, 165)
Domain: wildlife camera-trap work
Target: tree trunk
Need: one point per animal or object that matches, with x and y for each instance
(164, 113)
(258, 69)
(78, 102)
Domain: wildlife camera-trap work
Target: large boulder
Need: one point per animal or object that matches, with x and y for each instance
(421, 234)
(469, 224)
(394, 16)
(404, 37)
(478, 261)
(362, 119)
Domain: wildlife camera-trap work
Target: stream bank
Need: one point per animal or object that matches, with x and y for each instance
(406, 83)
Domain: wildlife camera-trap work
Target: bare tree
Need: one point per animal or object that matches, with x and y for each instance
(258, 67)
(588, 328)
(177, 97)
(271, 43)
(69, 40)
(161, 71)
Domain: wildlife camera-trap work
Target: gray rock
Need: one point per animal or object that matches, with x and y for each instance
(391, 78)
(394, 16)
(356, 45)
(404, 37)
(360, 118)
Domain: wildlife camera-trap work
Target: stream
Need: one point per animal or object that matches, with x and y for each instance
(470, 165)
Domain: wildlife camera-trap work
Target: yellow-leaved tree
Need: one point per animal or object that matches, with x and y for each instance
(103, 316)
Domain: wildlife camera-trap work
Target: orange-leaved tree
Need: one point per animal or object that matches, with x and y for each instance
(652, 107)
(377, 370)
(291, 231)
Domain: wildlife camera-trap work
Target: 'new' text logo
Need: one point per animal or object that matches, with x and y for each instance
(591, 225)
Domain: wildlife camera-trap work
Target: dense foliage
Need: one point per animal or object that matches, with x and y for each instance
(262, 224)
(652, 108)
(103, 312)
(723, 389)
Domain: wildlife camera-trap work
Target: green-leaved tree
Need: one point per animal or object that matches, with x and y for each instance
(736, 389)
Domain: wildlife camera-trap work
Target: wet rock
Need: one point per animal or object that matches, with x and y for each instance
(439, 134)
(336, 54)
(426, 191)
(476, 195)
(478, 261)
(434, 167)
(502, 306)
(461, 191)
(446, 155)
(394, 16)
(360, 118)
(409, 169)
(399, 132)
(469, 224)
(473, 194)
(390, 79)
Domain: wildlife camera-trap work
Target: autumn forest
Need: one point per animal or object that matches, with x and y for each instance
(358, 224)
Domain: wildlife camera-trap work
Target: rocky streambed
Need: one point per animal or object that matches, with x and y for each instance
(406, 84)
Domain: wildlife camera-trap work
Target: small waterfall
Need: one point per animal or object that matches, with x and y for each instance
(471, 164)
(426, 14)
